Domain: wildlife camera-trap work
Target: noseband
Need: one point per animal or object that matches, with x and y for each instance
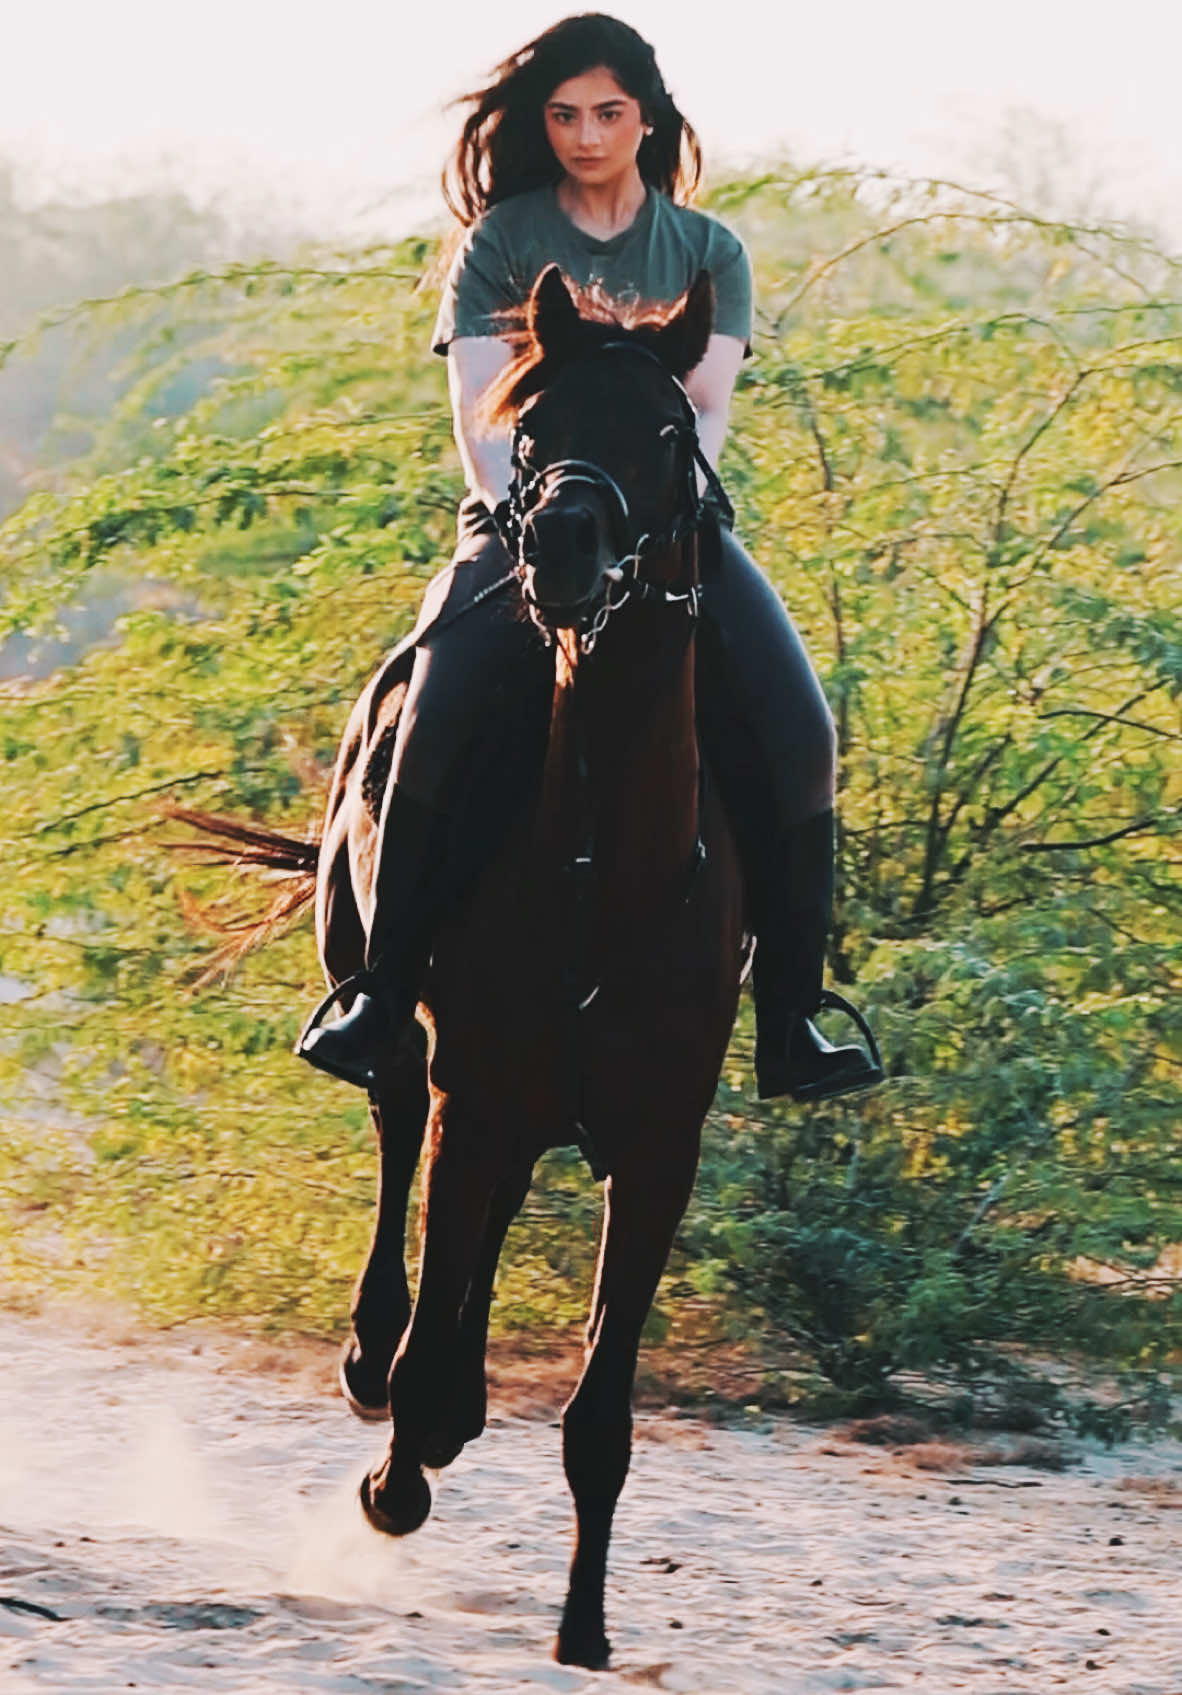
(532, 484)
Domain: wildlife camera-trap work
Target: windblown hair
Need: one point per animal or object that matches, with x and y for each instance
(503, 150)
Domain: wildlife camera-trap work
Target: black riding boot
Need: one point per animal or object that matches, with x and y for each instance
(793, 900)
(387, 991)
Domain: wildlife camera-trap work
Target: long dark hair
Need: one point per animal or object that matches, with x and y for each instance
(503, 148)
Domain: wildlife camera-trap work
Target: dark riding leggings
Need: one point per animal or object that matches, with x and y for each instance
(765, 719)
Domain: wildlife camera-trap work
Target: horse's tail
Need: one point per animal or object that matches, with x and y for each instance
(245, 847)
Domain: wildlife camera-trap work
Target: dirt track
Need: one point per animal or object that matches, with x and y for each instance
(168, 1522)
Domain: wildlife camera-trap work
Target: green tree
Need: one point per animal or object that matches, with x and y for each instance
(958, 453)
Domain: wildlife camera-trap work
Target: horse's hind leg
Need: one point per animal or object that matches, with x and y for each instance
(640, 1219)
(381, 1298)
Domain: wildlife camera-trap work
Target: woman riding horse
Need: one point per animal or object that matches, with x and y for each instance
(576, 154)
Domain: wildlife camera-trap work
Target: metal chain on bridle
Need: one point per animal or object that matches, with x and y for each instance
(622, 579)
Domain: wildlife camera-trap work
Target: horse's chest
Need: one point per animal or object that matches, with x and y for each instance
(554, 986)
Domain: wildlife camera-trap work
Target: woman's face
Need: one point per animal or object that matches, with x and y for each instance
(594, 128)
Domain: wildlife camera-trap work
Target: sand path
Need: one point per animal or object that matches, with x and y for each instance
(167, 1522)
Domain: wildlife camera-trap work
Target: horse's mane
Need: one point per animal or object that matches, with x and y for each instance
(602, 319)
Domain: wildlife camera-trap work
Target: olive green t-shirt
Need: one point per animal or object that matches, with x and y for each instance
(656, 258)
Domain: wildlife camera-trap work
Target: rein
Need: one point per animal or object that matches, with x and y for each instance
(623, 580)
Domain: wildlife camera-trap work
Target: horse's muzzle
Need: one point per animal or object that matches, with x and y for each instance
(566, 550)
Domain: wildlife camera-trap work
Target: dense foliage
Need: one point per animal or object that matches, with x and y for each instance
(958, 450)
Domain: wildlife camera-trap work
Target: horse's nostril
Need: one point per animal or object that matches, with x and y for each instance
(586, 534)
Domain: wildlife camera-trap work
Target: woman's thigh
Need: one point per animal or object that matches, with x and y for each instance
(767, 670)
(470, 661)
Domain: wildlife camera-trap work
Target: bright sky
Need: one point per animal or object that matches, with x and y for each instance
(335, 106)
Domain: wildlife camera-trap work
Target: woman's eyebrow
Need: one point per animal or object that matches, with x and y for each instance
(603, 106)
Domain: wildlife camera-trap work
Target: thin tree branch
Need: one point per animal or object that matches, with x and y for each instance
(995, 816)
(136, 794)
(1111, 718)
(1139, 825)
(988, 758)
(1027, 446)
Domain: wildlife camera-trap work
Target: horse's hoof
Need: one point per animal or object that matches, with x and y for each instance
(366, 1399)
(440, 1450)
(572, 1649)
(443, 1446)
(394, 1517)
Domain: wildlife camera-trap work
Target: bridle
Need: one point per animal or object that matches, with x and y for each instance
(622, 580)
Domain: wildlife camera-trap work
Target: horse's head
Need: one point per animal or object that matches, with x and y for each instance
(605, 454)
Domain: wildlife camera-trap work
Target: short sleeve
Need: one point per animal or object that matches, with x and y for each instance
(479, 288)
(733, 301)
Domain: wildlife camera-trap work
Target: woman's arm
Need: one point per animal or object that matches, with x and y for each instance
(710, 385)
(472, 364)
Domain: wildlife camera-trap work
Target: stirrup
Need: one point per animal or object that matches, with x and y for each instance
(362, 981)
(849, 1068)
(867, 1076)
(837, 1003)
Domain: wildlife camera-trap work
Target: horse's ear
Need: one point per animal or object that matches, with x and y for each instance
(552, 316)
(682, 342)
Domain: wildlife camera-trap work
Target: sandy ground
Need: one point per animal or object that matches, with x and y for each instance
(169, 1520)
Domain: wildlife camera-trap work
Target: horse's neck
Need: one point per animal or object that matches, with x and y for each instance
(622, 772)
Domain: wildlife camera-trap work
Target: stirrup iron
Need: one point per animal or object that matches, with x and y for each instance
(361, 981)
(830, 999)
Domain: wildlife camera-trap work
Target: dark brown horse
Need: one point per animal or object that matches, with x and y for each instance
(586, 987)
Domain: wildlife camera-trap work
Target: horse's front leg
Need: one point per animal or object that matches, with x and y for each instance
(641, 1214)
(458, 1182)
(380, 1309)
(468, 1405)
